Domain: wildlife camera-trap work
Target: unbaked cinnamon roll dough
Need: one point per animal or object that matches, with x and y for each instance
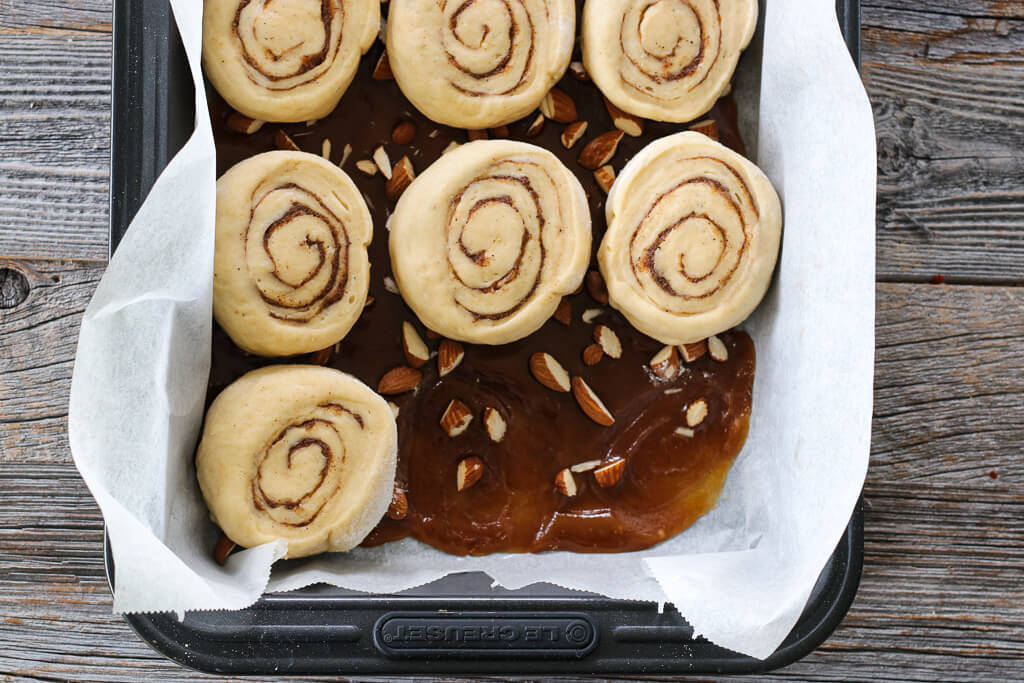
(286, 60)
(667, 60)
(301, 453)
(486, 242)
(693, 236)
(291, 272)
(479, 63)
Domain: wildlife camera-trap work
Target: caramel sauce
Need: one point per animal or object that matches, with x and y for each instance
(670, 480)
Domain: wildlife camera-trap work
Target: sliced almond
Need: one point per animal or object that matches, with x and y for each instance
(311, 123)
(322, 357)
(717, 350)
(610, 474)
(707, 127)
(591, 314)
(629, 124)
(468, 472)
(591, 405)
(673, 390)
(691, 352)
(382, 71)
(390, 285)
(404, 132)
(500, 132)
(550, 372)
(449, 356)
(536, 127)
(665, 363)
(566, 483)
(398, 381)
(395, 410)
(366, 166)
(605, 177)
(284, 141)
(224, 547)
(433, 335)
(592, 355)
(696, 412)
(579, 72)
(495, 424)
(325, 149)
(596, 287)
(684, 432)
(475, 135)
(585, 466)
(416, 352)
(456, 418)
(558, 106)
(451, 145)
(402, 176)
(399, 508)
(346, 152)
(563, 313)
(383, 161)
(609, 341)
(573, 133)
(242, 124)
(600, 150)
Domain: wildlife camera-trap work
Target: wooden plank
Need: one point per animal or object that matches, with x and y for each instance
(942, 594)
(944, 79)
(55, 16)
(54, 144)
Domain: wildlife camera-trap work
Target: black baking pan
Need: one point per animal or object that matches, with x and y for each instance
(460, 624)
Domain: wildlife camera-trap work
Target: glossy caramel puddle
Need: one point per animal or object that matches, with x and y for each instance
(670, 480)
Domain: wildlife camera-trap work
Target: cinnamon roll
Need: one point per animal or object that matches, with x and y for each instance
(487, 241)
(479, 63)
(667, 60)
(693, 236)
(291, 273)
(286, 60)
(301, 453)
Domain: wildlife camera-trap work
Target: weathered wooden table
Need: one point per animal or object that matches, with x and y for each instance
(943, 589)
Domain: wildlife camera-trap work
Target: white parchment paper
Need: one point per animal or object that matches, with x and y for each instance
(741, 575)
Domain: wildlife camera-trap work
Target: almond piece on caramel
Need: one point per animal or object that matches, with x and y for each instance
(398, 381)
(596, 288)
(382, 71)
(456, 418)
(558, 106)
(694, 351)
(550, 372)
(383, 161)
(536, 127)
(592, 355)
(696, 412)
(600, 150)
(468, 472)
(284, 141)
(404, 132)
(241, 123)
(591, 405)
(665, 363)
(449, 356)
(605, 178)
(717, 349)
(563, 313)
(402, 176)
(573, 133)
(608, 340)
(707, 127)
(629, 124)
(224, 547)
(609, 475)
(416, 352)
(495, 424)
(566, 483)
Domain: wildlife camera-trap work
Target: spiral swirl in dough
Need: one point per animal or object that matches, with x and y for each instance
(286, 60)
(301, 453)
(291, 273)
(479, 63)
(667, 60)
(693, 235)
(487, 241)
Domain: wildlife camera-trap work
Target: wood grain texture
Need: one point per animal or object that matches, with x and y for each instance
(945, 82)
(942, 595)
